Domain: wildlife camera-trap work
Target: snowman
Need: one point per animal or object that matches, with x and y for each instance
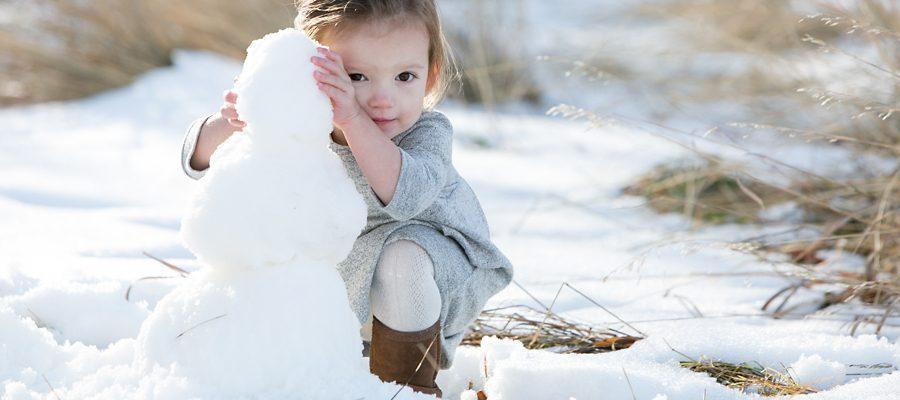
(268, 315)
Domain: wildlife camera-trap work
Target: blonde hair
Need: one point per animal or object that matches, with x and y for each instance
(318, 17)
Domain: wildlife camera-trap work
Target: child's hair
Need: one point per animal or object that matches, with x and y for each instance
(317, 17)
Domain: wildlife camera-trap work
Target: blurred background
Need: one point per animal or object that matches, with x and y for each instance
(747, 75)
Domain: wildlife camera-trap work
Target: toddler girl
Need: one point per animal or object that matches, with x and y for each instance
(423, 267)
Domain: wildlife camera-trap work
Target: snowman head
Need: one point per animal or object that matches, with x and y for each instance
(276, 87)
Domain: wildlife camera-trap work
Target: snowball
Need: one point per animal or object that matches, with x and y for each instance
(818, 372)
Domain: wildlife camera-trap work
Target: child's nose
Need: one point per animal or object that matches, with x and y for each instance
(381, 99)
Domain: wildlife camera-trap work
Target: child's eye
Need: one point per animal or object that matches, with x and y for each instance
(405, 76)
(357, 77)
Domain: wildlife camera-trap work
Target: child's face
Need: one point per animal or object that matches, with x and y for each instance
(388, 65)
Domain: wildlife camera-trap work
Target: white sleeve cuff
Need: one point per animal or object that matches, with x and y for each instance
(187, 148)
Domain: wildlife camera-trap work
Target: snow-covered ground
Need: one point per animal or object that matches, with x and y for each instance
(88, 186)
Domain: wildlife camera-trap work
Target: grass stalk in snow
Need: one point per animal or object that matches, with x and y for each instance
(548, 331)
(52, 389)
(749, 377)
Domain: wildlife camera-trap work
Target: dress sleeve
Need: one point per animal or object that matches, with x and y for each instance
(187, 148)
(425, 155)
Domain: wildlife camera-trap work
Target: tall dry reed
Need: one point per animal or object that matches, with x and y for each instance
(64, 49)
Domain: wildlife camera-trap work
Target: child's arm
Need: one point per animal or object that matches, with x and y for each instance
(188, 165)
(206, 134)
(425, 155)
(424, 158)
(377, 156)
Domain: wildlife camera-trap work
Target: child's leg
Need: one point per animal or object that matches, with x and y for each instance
(404, 295)
(406, 326)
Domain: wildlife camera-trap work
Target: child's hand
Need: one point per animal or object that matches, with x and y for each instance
(228, 110)
(333, 80)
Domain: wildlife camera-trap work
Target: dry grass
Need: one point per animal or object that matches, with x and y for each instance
(858, 216)
(773, 48)
(709, 192)
(854, 215)
(739, 25)
(547, 331)
(69, 49)
(493, 68)
(749, 377)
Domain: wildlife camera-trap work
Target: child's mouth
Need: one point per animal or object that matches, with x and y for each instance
(383, 122)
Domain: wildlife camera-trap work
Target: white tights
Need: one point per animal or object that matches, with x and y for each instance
(404, 295)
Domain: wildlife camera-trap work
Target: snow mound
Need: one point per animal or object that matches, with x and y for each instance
(59, 307)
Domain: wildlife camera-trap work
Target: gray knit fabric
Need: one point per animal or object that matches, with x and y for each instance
(432, 206)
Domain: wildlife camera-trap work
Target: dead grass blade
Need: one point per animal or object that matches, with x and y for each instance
(201, 323)
(549, 331)
(169, 265)
(52, 390)
(128, 291)
(749, 377)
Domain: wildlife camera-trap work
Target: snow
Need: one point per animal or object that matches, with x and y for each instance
(59, 306)
(818, 372)
(89, 185)
(650, 364)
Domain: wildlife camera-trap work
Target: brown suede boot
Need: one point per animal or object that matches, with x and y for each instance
(410, 358)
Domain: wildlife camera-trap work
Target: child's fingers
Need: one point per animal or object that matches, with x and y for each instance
(228, 111)
(333, 56)
(230, 96)
(332, 67)
(332, 92)
(230, 114)
(330, 80)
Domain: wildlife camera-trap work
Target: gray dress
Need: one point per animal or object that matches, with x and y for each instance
(432, 206)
